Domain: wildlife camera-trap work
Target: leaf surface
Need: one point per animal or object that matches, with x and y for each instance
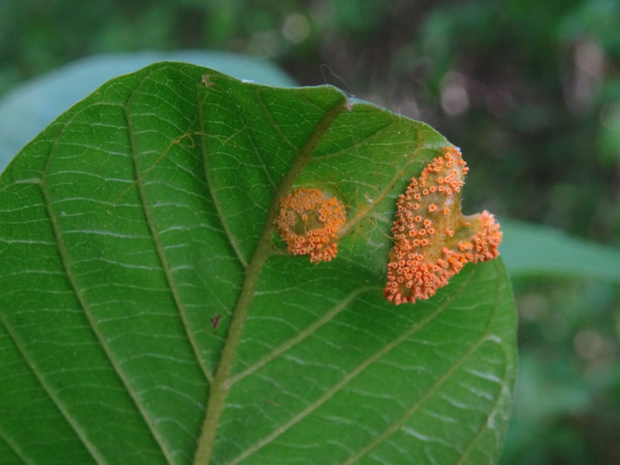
(30, 107)
(136, 239)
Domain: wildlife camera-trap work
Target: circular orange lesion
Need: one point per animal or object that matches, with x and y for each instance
(419, 266)
(309, 221)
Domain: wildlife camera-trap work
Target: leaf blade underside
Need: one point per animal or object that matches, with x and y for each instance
(129, 226)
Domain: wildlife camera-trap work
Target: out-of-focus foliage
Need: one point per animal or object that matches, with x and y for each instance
(532, 85)
(529, 89)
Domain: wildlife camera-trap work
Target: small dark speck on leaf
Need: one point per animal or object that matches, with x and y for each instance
(215, 320)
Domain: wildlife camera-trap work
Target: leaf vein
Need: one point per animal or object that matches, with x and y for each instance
(15, 448)
(32, 366)
(358, 144)
(504, 385)
(272, 121)
(328, 394)
(362, 212)
(299, 337)
(216, 202)
(220, 385)
(161, 254)
(397, 425)
(60, 244)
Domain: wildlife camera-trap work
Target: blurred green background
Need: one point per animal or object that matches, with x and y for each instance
(530, 91)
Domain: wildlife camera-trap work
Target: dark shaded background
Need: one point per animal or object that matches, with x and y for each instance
(530, 91)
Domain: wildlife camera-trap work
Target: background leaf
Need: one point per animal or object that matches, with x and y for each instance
(551, 252)
(29, 108)
(132, 224)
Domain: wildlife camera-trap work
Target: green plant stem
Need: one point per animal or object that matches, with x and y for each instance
(221, 382)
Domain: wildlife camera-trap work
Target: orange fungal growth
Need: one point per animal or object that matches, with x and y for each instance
(309, 220)
(435, 242)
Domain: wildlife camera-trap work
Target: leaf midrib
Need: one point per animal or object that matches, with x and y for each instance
(397, 425)
(221, 382)
(308, 331)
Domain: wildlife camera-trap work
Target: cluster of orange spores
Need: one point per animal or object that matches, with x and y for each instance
(433, 238)
(308, 221)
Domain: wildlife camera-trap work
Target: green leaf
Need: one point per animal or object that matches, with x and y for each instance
(28, 109)
(542, 251)
(142, 285)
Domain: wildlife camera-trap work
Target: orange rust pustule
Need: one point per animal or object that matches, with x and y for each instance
(309, 220)
(433, 238)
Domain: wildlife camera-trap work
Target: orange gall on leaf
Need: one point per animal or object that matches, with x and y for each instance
(309, 221)
(433, 238)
